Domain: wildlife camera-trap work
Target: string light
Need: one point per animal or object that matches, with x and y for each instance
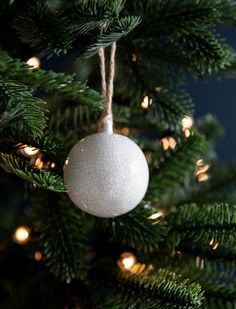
(146, 102)
(158, 88)
(172, 142)
(126, 261)
(156, 215)
(187, 122)
(53, 165)
(125, 131)
(21, 235)
(200, 163)
(29, 151)
(187, 133)
(38, 256)
(211, 242)
(214, 245)
(199, 262)
(168, 143)
(203, 178)
(201, 169)
(165, 143)
(38, 163)
(34, 62)
(134, 57)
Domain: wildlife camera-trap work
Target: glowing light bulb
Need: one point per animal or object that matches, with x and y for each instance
(146, 102)
(187, 133)
(38, 163)
(200, 163)
(216, 245)
(21, 235)
(165, 143)
(168, 142)
(134, 57)
(38, 256)
(202, 177)
(125, 131)
(53, 165)
(211, 242)
(203, 169)
(29, 151)
(34, 63)
(172, 142)
(187, 122)
(156, 215)
(126, 261)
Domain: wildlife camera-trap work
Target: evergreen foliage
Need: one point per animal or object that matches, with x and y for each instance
(183, 232)
(61, 234)
(49, 81)
(137, 229)
(41, 178)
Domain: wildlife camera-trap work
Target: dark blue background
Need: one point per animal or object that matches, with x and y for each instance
(219, 98)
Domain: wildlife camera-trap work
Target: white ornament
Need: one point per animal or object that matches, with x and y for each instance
(106, 174)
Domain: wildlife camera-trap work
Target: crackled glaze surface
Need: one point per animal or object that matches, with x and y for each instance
(107, 174)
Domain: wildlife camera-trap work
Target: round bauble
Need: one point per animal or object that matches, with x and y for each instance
(106, 174)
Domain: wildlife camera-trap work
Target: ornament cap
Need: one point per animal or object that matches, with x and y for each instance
(107, 126)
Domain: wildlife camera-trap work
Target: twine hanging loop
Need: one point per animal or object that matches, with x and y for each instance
(107, 87)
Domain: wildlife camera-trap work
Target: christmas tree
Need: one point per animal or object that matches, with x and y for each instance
(177, 248)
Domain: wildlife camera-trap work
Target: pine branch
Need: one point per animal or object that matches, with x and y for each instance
(16, 103)
(220, 187)
(62, 236)
(147, 289)
(162, 288)
(171, 108)
(225, 253)
(44, 28)
(42, 178)
(137, 229)
(119, 29)
(182, 35)
(51, 32)
(213, 222)
(13, 136)
(215, 277)
(74, 119)
(180, 163)
(93, 14)
(49, 81)
(173, 15)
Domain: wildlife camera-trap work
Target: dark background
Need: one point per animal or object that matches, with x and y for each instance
(218, 97)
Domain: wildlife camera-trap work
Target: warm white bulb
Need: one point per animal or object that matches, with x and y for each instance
(30, 151)
(202, 177)
(146, 102)
(34, 62)
(21, 235)
(127, 261)
(187, 122)
(156, 215)
(38, 256)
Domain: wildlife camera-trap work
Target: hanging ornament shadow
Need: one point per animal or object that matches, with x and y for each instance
(107, 174)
